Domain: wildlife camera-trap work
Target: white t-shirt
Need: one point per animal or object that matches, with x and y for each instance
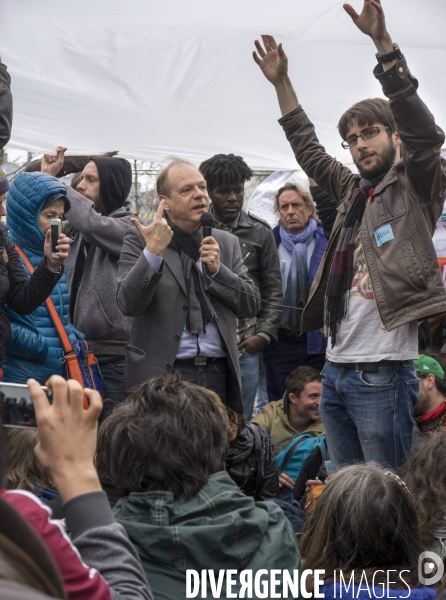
(360, 336)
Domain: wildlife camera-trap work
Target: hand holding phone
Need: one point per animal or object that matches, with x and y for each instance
(56, 230)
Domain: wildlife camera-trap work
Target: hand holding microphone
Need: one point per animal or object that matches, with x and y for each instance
(210, 250)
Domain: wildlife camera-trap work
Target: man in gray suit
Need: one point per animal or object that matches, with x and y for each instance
(184, 319)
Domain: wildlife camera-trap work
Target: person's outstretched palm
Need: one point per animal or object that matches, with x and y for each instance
(371, 21)
(272, 61)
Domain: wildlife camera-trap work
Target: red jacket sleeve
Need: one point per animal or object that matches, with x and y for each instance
(81, 581)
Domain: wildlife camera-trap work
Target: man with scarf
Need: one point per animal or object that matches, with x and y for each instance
(301, 243)
(379, 273)
(184, 291)
(97, 222)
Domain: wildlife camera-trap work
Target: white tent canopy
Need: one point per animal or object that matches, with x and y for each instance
(156, 79)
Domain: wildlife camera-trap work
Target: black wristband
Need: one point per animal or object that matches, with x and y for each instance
(385, 58)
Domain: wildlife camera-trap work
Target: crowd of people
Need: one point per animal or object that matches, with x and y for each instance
(164, 468)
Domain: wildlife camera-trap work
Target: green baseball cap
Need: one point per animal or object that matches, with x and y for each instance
(426, 364)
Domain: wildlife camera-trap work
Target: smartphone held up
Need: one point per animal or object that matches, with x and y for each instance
(56, 230)
(16, 407)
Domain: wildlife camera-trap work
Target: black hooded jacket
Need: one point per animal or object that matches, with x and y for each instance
(115, 176)
(92, 264)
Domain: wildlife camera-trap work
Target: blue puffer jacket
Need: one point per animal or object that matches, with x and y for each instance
(34, 348)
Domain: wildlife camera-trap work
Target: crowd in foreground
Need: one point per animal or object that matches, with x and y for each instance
(148, 461)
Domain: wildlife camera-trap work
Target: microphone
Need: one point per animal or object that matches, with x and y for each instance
(207, 222)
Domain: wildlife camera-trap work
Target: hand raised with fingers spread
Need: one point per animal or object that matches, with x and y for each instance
(158, 234)
(371, 21)
(272, 60)
(51, 165)
(67, 435)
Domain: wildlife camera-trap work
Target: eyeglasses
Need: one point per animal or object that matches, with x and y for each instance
(367, 134)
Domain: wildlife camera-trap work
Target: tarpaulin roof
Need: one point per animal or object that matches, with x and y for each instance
(155, 79)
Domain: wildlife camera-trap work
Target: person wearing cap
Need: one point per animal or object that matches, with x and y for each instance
(430, 410)
(34, 349)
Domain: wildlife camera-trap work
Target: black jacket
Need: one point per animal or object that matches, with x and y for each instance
(251, 463)
(260, 257)
(5, 106)
(22, 294)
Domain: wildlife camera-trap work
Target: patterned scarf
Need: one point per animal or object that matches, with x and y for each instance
(201, 311)
(341, 272)
(297, 283)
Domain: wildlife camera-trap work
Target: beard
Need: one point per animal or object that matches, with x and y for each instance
(383, 163)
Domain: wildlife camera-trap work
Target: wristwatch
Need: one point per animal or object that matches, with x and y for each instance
(385, 58)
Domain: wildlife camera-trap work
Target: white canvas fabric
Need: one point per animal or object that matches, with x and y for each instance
(154, 79)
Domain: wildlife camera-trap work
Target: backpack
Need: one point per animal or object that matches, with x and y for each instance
(301, 459)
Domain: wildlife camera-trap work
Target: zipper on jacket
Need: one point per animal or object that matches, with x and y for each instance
(245, 258)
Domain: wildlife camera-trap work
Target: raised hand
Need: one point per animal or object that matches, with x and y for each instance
(158, 234)
(371, 21)
(67, 435)
(63, 247)
(272, 60)
(51, 165)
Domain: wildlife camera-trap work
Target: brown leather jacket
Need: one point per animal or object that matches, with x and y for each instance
(404, 271)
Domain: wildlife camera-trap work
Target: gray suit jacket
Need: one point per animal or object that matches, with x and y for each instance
(158, 303)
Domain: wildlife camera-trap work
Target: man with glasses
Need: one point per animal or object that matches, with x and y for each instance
(379, 273)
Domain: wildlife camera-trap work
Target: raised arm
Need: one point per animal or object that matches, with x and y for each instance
(421, 138)
(330, 174)
(5, 105)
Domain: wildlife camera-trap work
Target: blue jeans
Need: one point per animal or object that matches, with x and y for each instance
(249, 369)
(369, 415)
(113, 376)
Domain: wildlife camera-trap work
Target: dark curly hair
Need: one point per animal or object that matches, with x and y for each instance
(425, 475)
(169, 435)
(225, 169)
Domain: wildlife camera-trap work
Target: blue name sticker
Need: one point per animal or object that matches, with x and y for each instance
(383, 234)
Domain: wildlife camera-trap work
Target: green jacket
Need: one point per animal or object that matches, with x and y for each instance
(275, 422)
(219, 528)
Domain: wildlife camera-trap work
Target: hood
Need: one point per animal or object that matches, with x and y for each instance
(219, 528)
(27, 195)
(115, 176)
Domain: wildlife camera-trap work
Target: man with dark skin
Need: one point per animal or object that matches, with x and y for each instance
(225, 177)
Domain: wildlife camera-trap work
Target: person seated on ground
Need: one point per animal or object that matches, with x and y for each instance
(99, 563)
(365, 525)
(430, 410)
(165, 448)
(425, 475)
(34, 348)
(24, 470)
(250, 461)
(297, 412)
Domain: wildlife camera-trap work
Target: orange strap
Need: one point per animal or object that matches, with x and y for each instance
(69, 355)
